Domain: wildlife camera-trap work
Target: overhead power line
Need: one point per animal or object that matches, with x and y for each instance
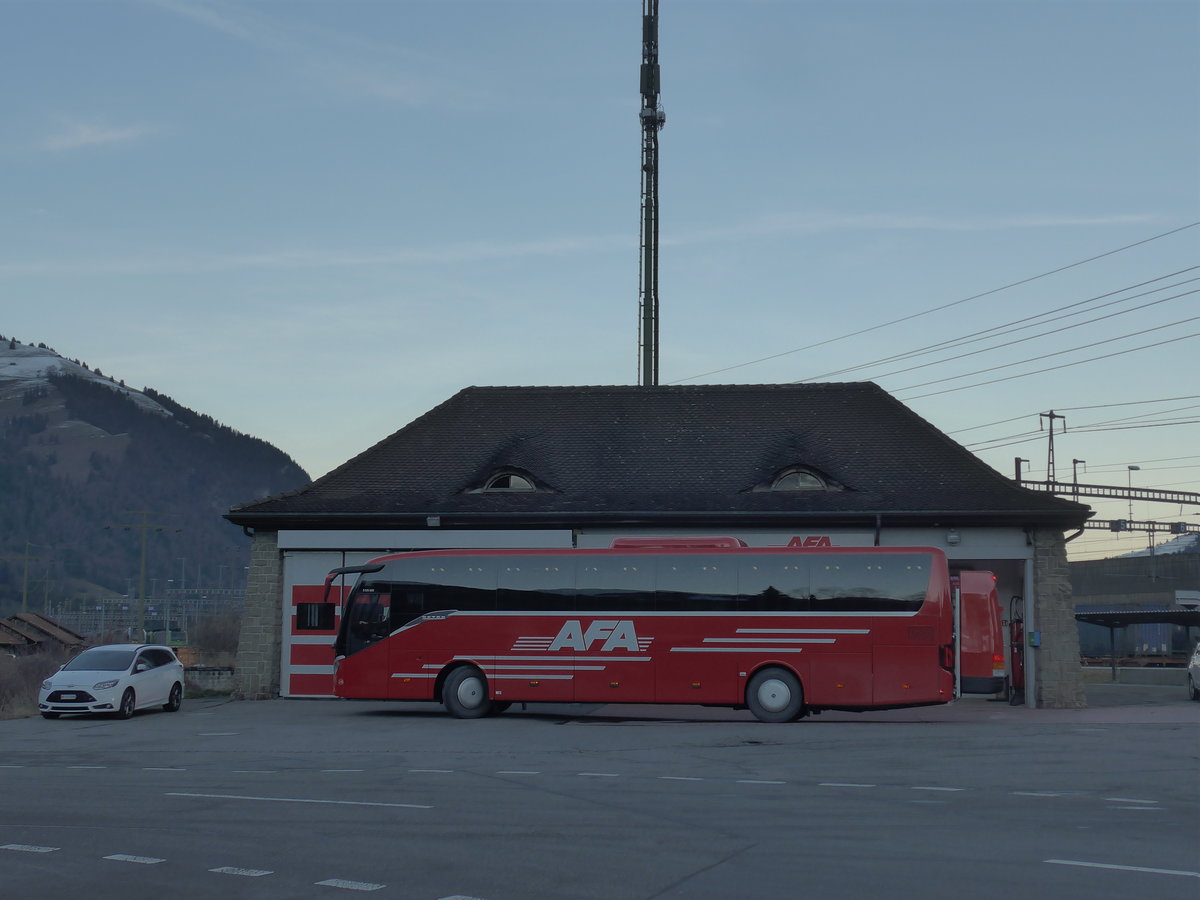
(1080, 409)
(1077, 362)
(1031, 337)
(935, 309)
(1019, 325)
(1032, 359)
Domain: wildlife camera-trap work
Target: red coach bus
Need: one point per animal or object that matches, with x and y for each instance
(782, 631)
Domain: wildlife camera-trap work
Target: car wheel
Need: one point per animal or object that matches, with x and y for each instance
(774, 695)
(49, 715)
(465, 694)
(1195, 691)
(128, 704)
(176, 699)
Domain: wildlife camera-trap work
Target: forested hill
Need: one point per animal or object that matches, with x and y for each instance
(85, 462)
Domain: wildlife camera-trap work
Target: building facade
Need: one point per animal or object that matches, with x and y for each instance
(842, 464)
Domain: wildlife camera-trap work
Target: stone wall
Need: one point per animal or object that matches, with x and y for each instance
(260, 641)
(1059, 681)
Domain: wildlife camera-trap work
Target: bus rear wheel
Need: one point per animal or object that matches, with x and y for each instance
(774, 695)
(465, 694)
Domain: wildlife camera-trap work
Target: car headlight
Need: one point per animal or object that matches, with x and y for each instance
(104, 685)
(47, 684)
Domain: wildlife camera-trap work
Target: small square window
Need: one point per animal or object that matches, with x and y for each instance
(315, 616)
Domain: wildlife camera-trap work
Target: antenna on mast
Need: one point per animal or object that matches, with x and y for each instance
(652, 118)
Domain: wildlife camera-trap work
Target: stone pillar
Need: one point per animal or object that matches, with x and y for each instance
(1059, 676)
(256, 676)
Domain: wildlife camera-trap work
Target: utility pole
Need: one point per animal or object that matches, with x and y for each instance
(1052, 415)
(145, 526)
(26, 558)
(652, 118)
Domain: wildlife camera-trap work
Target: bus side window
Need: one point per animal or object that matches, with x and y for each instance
(456, 582)
(615, 583)
(886, 583)
(538, 583)
(776, 582)
(696, 582)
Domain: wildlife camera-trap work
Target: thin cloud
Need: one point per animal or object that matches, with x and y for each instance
(816, 222)
(482, 251)
(74, 135)
(291, 260)
(207, 15)
(350, 65)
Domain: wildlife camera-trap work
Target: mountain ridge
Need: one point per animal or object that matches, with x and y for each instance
(89, 466)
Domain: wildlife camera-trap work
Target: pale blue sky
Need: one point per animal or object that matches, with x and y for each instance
(316, 220)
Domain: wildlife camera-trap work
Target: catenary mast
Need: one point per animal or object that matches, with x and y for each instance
(652, 119)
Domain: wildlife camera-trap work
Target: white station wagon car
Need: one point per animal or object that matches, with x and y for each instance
(115, 678)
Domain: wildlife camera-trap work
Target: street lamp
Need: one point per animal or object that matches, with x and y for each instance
(1129, 482)
(1075, 464)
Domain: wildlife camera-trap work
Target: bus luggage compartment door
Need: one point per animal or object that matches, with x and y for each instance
(908, 675)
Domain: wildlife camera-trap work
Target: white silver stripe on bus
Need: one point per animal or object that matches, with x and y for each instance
(803, 631)
(559, 657)
(737, 649)
(770, 640)
(693, 614)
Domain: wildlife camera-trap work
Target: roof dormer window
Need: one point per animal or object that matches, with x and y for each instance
(798, 480)
(508, 481)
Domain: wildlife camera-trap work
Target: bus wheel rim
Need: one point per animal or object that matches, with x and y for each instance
(470, 692)
(774, 695)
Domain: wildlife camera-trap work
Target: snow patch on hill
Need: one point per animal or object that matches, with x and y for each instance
(23, 366)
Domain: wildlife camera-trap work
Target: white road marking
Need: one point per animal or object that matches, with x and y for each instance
(460, 897)
(434, 771)
(12, 767)
(757, 781)
(1142, 808)
(87, 767)
(1127, 800)
(143, 860)
(845, 784)
(234, 870)
(599, 774)
(679, 778)
(337, 771)
(1096, 865)
(1042, 793)
(517, 772)
(162, 769)
(922, 788)
(28, 848)
(297, 800)
(351, 885)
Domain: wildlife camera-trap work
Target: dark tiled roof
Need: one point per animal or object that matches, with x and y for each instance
(58, 632)
(653, 454)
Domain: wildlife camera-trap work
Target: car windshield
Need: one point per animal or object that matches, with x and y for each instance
(101, 659)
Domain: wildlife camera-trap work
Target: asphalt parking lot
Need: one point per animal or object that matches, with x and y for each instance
(291, 798)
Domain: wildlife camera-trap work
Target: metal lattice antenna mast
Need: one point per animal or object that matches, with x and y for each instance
(653, 119)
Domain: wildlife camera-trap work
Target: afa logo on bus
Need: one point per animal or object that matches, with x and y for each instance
(617, 634)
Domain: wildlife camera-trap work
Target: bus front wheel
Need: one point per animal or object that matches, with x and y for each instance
(774, 695)
(465, 694)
